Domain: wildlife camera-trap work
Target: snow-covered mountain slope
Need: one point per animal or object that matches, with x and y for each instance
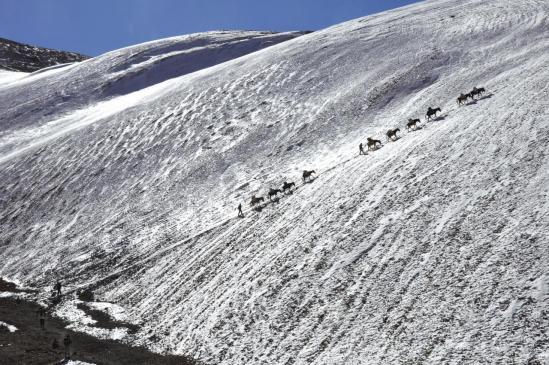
(432, 249)
(16, 56)
(10, 76)
(48, 95)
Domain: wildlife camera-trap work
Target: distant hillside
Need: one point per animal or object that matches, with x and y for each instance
(122, 176)
(23, 57)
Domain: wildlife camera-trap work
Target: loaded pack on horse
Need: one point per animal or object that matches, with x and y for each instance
(274, 192)
(477, 91)
(307, 175)
(462, 98)
(412, 124)
(432, 112)
(372, 143)
(256, 200)
(287, 186)
(392, 134)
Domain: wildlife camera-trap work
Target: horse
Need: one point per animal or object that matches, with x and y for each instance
(477, 91)
(392, 134)
(273, 192)
(431, 112)
(462, 98)
(308, 175)
(412, 124)
(287, 186)
(256, 199)
(372, 143)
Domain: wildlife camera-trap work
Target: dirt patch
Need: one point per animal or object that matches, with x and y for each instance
(9, 287)
(34, 346)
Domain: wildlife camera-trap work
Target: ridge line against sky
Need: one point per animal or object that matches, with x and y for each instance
(96, 27)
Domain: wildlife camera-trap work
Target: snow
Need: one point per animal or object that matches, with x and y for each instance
(115, 311)
(80, 321)
(122, 175)
(542, 285)
(10, 327)
(76, 362)
(9, 76)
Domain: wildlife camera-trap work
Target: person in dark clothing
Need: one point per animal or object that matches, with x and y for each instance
(57, 288)
(361, 149)
(67, 344)
(41, 312)
(55, 344)
(240, 214)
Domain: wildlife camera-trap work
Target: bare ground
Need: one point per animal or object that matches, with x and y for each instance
(31, 345)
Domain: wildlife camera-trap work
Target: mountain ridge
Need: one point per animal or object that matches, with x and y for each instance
(428, 250)
(15, 56)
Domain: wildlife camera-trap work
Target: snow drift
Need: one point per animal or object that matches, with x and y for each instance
(432, 249)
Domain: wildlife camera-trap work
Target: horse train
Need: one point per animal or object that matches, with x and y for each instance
(371, 143)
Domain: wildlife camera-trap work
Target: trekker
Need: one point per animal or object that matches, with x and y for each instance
(57, 288)
(361, 150)
(240, 214)
(67, 343)
(41, 312)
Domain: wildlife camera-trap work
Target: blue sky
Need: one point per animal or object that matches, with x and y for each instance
(93, 27)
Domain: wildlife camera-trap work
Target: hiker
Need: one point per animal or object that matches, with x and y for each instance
(67, 343)
(57, 288)
(240, 214)
(361, 150)
(41, 312)
(55, 344)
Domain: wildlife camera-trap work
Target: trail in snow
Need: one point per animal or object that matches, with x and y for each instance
(256, 209)
(431, 250)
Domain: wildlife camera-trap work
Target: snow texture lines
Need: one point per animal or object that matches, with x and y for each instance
(431, 249)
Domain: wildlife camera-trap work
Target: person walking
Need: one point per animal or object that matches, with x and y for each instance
(41, 312)
(57, 288)
(361, 150)
(67, 344)
(240, 214)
